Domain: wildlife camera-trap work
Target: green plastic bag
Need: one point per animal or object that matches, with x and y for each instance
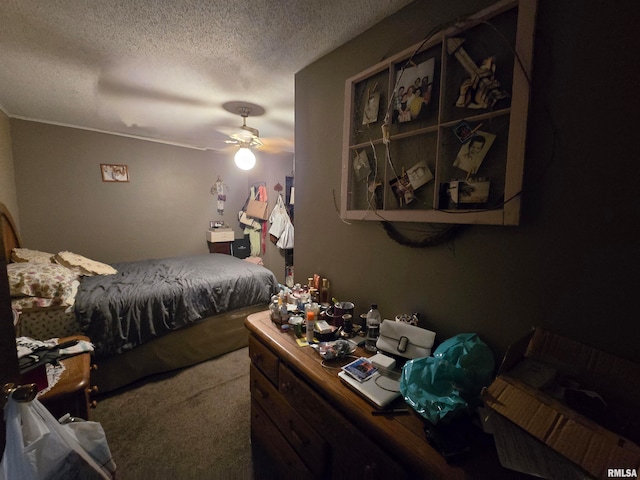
(449, 381)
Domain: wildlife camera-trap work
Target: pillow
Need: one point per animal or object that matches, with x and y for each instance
(47, 280)
(28, 255)
(83, 265)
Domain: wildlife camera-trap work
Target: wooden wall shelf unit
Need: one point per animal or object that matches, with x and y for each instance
(473, 80)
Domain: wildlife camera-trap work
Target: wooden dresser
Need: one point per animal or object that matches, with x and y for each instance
(305, 423)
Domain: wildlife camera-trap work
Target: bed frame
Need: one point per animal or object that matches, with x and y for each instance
(207, 339)
(8, 232)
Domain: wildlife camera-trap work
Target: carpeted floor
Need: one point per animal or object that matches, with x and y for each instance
(189, 424)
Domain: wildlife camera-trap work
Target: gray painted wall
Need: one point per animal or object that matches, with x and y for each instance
(569, 266)
(163, 211)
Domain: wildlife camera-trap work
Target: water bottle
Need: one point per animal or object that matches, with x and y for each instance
(373, 328)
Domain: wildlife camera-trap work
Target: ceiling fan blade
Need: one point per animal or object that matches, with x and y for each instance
(246, 136)
(116, 87)
(277, 145)
(229, 131)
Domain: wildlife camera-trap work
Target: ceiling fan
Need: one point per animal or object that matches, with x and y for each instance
(245, 137)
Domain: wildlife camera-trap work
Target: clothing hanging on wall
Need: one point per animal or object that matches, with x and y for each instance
(281, 230)
(257, 231)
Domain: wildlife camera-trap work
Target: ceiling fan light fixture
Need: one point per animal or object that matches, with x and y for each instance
(245, 158)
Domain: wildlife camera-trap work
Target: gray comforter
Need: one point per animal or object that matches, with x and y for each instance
(150, 298)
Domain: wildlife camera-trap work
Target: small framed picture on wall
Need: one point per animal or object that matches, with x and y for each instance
(114, 173)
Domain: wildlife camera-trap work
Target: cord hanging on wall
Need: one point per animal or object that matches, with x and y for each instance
(433, 237)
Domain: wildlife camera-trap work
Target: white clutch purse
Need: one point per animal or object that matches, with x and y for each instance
(409, 341)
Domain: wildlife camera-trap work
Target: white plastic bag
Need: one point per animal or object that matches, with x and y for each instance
(278, 219)
(286, 239)
(94, 441)
(39, 447)
(281, 226)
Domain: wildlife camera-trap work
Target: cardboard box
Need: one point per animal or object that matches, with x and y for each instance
(595, 438)
(220, 235)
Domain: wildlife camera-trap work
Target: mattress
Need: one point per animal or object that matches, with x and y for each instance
(147, 299)
(46, 323)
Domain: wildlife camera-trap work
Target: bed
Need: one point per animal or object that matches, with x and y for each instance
(146, 317)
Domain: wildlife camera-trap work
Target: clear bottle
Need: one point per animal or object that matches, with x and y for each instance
(373, 328)
(311, 321)
(324, 291)
(284, 312)
(274, 308)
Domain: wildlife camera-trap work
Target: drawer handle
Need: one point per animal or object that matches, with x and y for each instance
(93, 404)
(256, 357)
(262, 393)
(296, 436)
(285, 387)
(370, 471)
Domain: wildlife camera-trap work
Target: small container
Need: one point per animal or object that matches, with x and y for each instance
(274, 310)
(311, 321)
(327, 336)
(347, 323)
(297, 322)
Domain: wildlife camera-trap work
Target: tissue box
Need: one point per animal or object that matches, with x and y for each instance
(594, 440)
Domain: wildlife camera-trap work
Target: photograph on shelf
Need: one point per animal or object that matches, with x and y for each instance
(464, 194)
(402, 189)
(361, 167)
(469, 191)
(472, 153)
(414, 91)
(371, 109)
(419, 175)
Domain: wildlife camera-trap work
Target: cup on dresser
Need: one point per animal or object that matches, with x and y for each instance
(338, 310)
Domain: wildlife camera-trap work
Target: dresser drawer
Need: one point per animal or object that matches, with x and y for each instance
(273, 458)
(363, 459)
(354, 455)
(264, 359)
(302, 437)
(297, 392)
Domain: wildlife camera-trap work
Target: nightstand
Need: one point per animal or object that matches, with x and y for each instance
(220, 247)
(72, 393)
(219, 240)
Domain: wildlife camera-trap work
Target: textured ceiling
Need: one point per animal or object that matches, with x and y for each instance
(163, 69)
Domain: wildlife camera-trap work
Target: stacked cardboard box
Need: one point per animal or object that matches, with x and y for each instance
(595, 424)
